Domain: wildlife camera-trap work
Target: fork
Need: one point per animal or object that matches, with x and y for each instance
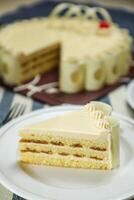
(15, 111)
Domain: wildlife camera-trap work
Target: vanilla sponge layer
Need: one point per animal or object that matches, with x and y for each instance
(64, 150)
(69, 150)
(63, 161)
(44, 67)
(91, 142)
(39, 62)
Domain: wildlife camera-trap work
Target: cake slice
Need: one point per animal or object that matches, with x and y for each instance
(87, 138)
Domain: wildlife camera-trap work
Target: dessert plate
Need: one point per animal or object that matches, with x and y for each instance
(51, 183)
(130, 94)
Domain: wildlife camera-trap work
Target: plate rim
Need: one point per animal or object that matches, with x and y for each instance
(129, 90)
(28, 195)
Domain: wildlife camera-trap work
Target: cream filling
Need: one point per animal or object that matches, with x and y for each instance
(65, 150)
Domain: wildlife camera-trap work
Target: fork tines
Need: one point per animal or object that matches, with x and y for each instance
(15, 111)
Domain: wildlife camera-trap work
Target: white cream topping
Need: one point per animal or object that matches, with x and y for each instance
(44, 32)
(94, 119)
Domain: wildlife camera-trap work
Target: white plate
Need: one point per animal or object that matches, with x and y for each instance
(130, 94)
(51, 183)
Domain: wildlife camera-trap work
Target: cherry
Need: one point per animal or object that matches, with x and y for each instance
(104, 24)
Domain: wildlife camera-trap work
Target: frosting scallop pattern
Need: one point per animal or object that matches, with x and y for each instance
(103, 123)
(102, 107)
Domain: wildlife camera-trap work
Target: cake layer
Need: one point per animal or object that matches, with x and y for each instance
(54, 48)
(92, 142)
(39, 63)
(63, 161)
(67, 150)
(24, 67)
(40, 60)
(44, 67)
(49, 65)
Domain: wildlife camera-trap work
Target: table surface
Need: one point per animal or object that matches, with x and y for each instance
(116, 98)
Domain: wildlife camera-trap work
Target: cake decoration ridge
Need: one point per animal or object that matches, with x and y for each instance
(100, 113)
(73, 9)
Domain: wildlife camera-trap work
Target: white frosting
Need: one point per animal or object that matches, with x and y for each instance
(83, 122)
(17, 37)
(9, 67)
(95, 74)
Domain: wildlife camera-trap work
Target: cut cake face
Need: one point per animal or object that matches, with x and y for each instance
(88, 138)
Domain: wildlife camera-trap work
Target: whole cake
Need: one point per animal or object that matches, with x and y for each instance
(87, 138)
(90, 50)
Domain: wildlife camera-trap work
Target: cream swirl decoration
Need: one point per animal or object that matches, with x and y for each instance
(100, 113)
(94, 112)
(103, 123)
(80, 11)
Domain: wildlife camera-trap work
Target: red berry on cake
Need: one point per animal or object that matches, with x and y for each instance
(104, 24)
